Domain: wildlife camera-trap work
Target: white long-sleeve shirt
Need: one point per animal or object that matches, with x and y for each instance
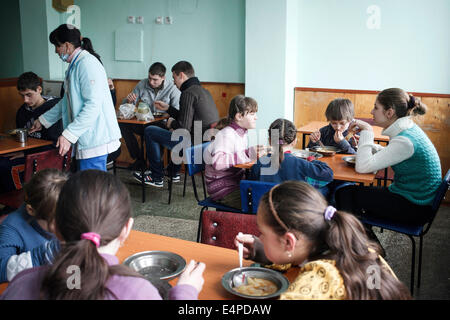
(372, 157)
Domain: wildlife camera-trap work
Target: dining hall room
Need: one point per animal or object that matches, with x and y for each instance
(343, 106)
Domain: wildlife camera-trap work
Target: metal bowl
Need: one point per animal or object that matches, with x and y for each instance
(304, 154)
(276, 277)
(162, 265)
(326, 150)
(350, 160)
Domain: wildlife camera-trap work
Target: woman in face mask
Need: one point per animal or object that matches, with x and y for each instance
(86, 109)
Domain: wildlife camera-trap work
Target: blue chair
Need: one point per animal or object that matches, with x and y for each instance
(196, 166)
(415, 230)
(251, 193)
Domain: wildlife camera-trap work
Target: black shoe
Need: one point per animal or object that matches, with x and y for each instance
(175, 178)
(148, 180)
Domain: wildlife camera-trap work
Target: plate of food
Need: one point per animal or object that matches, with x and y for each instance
(327, 151)
(260, 283)
(350, 160)
(161, 265)
(305, 154)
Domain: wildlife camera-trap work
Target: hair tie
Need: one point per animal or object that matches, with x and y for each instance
(274, 212)
(281, 142)
(329, 213)
(411, 102)
(92, 236)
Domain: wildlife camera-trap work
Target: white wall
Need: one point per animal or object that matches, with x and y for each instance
(410, 50)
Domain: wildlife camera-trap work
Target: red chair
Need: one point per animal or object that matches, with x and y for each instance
(3, 217)
(219, 228)
(33, 163)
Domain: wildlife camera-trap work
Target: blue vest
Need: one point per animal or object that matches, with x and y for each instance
(418, 177)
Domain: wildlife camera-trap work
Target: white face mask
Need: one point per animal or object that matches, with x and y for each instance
(64, 56)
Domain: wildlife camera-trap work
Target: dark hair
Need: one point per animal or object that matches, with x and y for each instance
(90, 201)
(157, 69)
(403, 104)
(340, 109)
(287, 132)
(301, 207)
(239, 104)
(42, 192)
(185, 67)
(28, 80)
(69, 33)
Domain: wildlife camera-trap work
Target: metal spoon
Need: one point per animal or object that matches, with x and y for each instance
(240, 278)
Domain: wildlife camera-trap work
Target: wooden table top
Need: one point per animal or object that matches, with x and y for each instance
(136, 121)
(313, 126)
(9, 144)
(341, 170)
(218, 260)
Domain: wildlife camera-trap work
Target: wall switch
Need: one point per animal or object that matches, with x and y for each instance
(131, 19)
(140, 20)
(159, 20)
(169, 20)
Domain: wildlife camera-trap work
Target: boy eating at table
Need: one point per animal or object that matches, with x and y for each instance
(12, 164)
(339, 113)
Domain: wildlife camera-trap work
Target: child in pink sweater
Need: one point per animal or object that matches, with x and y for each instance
(229, 148)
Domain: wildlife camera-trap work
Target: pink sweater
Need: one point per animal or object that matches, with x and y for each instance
(229, 148)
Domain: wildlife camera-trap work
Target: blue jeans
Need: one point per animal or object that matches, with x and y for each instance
(98, 163)
(155, 137)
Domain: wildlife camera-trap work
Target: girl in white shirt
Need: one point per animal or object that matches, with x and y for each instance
(411, 155)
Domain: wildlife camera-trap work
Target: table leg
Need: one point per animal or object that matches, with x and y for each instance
(143, 168)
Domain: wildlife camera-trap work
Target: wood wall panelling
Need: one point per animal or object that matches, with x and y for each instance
(10, 102)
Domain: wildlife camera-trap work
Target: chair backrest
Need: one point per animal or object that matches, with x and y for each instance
(251, 193)
(220, 228)
(194, 158)
(440, 195)
(35, 162)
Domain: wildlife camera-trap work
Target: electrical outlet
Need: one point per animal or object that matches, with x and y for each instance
(159, 20)
(140, 20)
(131, 19)
(169, 20)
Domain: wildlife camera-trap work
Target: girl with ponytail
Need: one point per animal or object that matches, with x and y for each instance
(337, 259)
(410, 154)
(93, 219)
(282, 165)
(86, 109)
